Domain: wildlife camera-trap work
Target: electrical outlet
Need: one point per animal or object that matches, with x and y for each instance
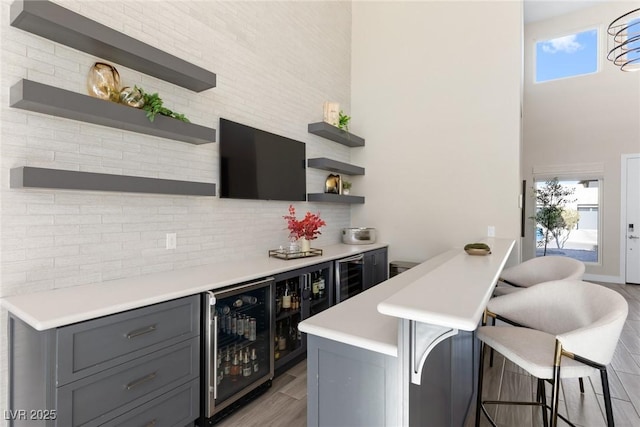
(491, 231)
(171, 240)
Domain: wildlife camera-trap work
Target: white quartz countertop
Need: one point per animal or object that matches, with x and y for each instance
(60, 307)
(451, 290)
(455, 294)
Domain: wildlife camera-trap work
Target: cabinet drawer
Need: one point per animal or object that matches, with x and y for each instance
(108, 394)
(179, 407)
(89, 347)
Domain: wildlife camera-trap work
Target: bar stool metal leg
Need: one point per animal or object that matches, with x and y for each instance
(607, 396)
(542, 398)
(480, 380)
(555, 394)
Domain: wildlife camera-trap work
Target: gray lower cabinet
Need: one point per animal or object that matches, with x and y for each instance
(375, 267)
(139, 367)
(355, 387)
(351, 386)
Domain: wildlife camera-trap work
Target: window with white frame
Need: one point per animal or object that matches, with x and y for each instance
(567, 56)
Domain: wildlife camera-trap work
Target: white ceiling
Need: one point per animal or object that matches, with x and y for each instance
(537, 10)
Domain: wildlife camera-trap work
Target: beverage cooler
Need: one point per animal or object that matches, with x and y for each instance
(350, 279)
(298, 295)
(239, 343)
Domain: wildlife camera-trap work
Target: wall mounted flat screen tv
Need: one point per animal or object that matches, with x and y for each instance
(255, 164)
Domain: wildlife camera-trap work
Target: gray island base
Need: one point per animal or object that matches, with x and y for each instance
(403, 353)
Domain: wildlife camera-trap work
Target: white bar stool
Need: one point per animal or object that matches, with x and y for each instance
(538, 270)
(573, 330)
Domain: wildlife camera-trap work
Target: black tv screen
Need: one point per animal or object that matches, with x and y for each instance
(255, 164)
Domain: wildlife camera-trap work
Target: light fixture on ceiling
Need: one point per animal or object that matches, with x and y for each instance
(625, 33)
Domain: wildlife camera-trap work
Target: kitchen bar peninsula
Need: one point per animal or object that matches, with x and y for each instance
(403, 353)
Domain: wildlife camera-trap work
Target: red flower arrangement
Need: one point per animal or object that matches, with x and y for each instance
(309, 227)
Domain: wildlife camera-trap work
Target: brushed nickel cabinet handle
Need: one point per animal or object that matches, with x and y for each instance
(140, 381)
(151, 423)
(141, 331)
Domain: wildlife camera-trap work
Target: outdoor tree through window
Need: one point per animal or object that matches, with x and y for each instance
(567, 218)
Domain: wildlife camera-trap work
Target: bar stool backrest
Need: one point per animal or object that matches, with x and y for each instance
(543, 269)
(586, 318)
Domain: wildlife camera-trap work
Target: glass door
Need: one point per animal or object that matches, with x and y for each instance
(349, 277)
(243, 342)
(298, 295)
(320, 295)
(288, 302)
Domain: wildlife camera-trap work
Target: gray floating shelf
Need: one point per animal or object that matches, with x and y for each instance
(41, 98)
(328, 131)
(334, 198)
(31, 177)
(64, 26)
(334, 166)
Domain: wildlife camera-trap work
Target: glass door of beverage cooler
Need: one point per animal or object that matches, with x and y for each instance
(349, 277)
(289, 294)
(321, 292)
(298, 295)
(240, 342)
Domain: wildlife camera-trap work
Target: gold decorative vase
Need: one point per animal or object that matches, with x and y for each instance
(104, 82)
(132, 97)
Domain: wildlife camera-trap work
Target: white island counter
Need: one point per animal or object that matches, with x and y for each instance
(368, 356)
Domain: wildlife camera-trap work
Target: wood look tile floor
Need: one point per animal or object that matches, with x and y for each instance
(285, 403)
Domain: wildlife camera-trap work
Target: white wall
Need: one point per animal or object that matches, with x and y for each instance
(436, 92)
(573, 123)
(276, 63)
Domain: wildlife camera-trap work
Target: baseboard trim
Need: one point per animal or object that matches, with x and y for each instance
(603, 278)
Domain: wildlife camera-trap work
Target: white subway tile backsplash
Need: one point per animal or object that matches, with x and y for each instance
(50, 57)
(52, 230)
(276, 63)
(28, 220)
(101, 209)
(78, 239)
(14, 255)
(113, 274)
(20, 241)
(16, 284)
(102, 248)
(85, 278)
(100, 228)
(28, 265)
(78, 219)
(76, 260)
(53, 252)
(49, 208)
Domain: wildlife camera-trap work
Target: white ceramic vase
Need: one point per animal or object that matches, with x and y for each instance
(305, 245)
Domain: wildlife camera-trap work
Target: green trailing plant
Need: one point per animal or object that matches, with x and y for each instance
(343, 121)
(153, 106)
(346, 185)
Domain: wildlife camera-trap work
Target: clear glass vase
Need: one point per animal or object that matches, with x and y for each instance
(294, 246)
